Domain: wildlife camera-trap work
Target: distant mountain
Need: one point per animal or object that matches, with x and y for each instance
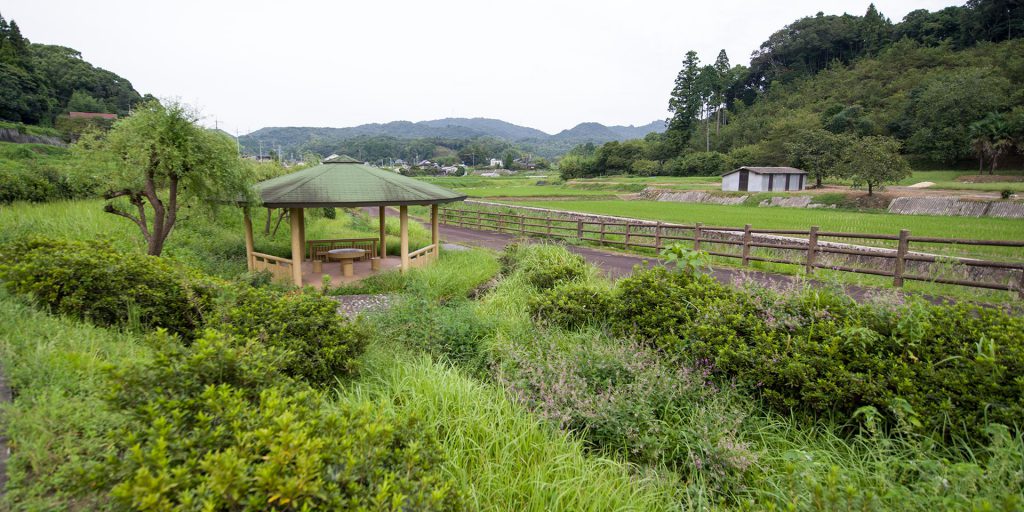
(299, 139)
(493, 127)
(639, 132)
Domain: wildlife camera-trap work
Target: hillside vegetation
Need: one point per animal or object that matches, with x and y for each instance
(38, 82)
(940, 88)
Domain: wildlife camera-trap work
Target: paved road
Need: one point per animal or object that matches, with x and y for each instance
(616, 265)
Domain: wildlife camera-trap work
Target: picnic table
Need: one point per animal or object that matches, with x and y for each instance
(346, 256)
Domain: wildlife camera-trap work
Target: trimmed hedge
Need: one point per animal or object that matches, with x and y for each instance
(93, 281)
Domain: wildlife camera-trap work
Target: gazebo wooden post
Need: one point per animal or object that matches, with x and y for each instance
(302, 230)
(383, 235)
(435, 232)
(249, 244)
(297, 243)
(403, 217)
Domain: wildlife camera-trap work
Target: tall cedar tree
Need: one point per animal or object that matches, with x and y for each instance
(685, 102)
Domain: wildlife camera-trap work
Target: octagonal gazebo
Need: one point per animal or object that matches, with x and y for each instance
(344, 182)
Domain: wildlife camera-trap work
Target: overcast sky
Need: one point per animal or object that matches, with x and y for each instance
(546, 64)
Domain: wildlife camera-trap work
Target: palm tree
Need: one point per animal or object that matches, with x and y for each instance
(991, 137)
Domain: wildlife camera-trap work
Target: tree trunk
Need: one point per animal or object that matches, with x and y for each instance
(871, 190)
(817, 181)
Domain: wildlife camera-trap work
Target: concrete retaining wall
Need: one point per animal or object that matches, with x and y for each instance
(955, 207)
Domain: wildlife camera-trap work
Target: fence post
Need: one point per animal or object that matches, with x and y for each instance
(657, 236)
(549, 223)
(901, 254)
(479, 221)
(602, 232)
(579, 229)
(522, 225)
(625, 246)
(696, 236)
(746, 245)
(812, 247)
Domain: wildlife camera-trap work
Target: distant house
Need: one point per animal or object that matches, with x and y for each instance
(764, 179)
(495, 162)
(91, 115)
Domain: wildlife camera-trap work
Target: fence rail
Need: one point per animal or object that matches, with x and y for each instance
(279, 268)
(804, 248)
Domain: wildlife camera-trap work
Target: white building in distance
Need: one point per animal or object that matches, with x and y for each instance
(764, 179)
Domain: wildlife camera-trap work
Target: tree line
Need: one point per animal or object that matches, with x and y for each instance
(40, 82)
(937, 88)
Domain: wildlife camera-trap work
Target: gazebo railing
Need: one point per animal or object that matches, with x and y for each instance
(315, 249)
(280, 268)
(423, 256)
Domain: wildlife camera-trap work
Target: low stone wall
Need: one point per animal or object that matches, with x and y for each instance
(956, 207)
(12, 135)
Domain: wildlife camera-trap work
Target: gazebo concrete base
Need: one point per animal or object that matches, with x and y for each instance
(361, 270)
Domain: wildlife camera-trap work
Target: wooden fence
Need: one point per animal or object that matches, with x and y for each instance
(806, 248)
(279, 268)
(317, 249)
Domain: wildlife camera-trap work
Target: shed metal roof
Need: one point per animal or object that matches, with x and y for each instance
(768, 170)
(345, 182)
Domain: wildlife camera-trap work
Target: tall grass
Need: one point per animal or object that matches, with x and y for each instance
(506, 457)
(59, 415)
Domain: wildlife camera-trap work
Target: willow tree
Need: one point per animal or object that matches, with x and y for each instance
(160, 160)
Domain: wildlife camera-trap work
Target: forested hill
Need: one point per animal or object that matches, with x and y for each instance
(328, 140)
(38, 82)
(937, 89)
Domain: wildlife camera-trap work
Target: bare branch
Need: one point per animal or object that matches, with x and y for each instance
(121, 213)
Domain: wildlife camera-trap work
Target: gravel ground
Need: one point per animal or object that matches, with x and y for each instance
(353, 305)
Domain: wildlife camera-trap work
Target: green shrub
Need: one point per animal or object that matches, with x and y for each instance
(630, 400)
(947, 371)
(208, 431)
(703, 163)
(91, 280)
(453, 331)
(320, 345)
(547, 265)
(572, 305)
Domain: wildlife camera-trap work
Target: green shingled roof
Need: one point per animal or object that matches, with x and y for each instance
(345, 182)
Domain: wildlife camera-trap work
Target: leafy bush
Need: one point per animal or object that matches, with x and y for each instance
(453, 331)
(319, 344)
(572, 305)
(207, 430)
(630, 400)
(547, 265)
(703, 163)
(943, 370)
(93, 281)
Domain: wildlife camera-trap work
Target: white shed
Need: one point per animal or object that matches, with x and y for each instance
(764, 179)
